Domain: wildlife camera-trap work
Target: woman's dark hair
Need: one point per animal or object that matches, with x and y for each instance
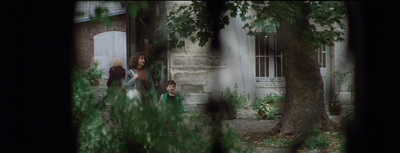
(133, 62)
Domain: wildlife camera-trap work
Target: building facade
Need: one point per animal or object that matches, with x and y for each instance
(251, 62)
(97, 41)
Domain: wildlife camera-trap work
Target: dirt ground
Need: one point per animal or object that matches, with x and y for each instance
(254, 131)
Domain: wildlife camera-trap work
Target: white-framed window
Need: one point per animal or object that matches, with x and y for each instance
(268, 58)
(322, 55)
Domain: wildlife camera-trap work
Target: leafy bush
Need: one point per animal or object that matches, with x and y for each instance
(348, 119)
(92, 73)
(265, 106)
(316, 140)
(85, 115)
(342, 78)
(132, 126)
(156, 68)
(145, 128)
(233, 98)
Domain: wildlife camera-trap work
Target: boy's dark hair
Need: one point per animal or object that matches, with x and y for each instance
(171, 82)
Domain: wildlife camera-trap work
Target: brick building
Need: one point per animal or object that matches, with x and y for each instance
(98, 41)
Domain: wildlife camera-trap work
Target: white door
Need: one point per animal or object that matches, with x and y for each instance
(107, 46)
(324, 64)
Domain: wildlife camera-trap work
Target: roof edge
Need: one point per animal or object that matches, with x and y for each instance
(85, 19)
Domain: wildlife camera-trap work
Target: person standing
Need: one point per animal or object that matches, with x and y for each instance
(172, 98)
(116, 74)
(139, 76)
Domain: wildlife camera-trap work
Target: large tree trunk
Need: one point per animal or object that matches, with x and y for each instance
(304, 86)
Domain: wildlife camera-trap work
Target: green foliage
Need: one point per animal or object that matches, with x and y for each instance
(327, 14)
(233, 98)
(277, 142)
(156, 67)
(145, 128)
(315, 140)
(79, 14)
(101, 16)
(130, 126)
(85, 115)
(348, 119)
(195, 25)
(342, 78)
(135, 6)
(266, 107)
(92, 73)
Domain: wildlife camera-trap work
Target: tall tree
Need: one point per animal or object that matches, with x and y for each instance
(297, 39)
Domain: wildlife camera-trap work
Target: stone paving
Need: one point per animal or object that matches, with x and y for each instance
(246, 122)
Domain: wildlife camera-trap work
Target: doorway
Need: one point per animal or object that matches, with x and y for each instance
(107, 46)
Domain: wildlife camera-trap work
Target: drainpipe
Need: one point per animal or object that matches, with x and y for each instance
(131, 35)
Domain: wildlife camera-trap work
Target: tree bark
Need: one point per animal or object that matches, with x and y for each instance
(304, 86)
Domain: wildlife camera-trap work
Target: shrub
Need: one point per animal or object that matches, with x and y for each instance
(315, 140)
(233, 98)
(85, 115)
(135, 127)
(265, 106)
(92, 73)
(348, 120)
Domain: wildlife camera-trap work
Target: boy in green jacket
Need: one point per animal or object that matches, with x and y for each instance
(172, 97)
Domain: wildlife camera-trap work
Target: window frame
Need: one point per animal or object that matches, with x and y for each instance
(322, 55)
(271, 60)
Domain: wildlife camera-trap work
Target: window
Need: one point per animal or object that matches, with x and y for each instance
(268, 59)
(321, 53)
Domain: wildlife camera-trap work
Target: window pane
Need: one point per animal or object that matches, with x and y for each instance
(268, 59)
(262, 67)
(257, 45)
(263, 45)
(278, 67)
(320, 56)
(266, 67)
(257, 67)
(324, 60)
(279, 52)
(270, 47)
(267, 45)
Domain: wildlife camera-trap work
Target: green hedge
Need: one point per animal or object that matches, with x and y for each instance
(135, 127)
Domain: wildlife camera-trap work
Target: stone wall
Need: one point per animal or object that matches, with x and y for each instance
(202, 76)
(343, 62)
(192, 71)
